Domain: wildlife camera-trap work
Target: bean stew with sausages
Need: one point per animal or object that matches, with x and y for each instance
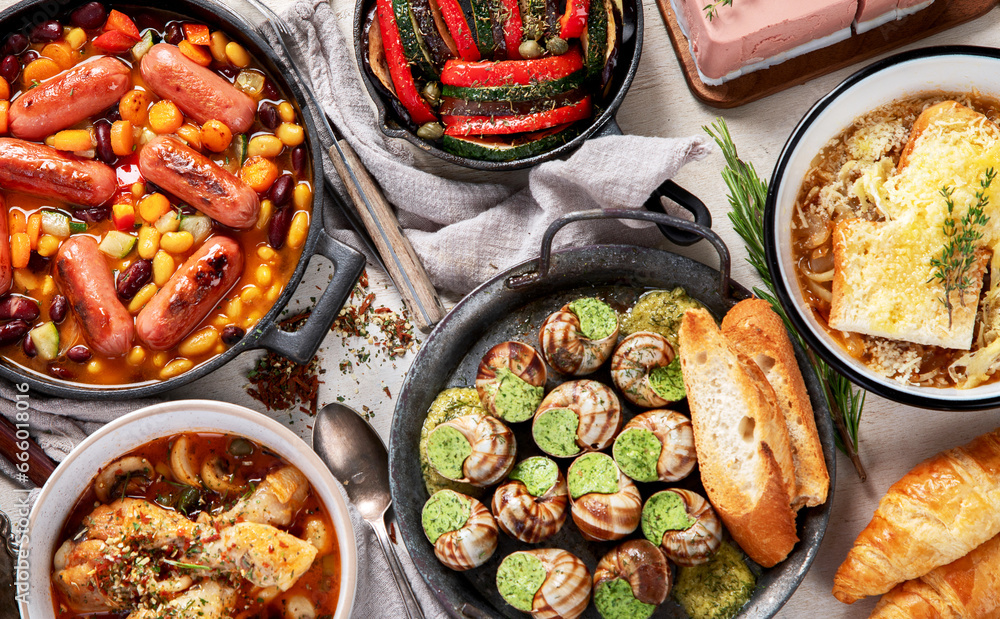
(155, 195)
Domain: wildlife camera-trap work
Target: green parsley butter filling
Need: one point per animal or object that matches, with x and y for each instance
(448, 405)
(538, 474)
(614, 600)
(519, 578)
(597, 319)
(516, 399)
(554, 432)
(447, 449)
(593, 472)
(446, 511)
(659, 311)
(717, 589)
(664, 511)
(637, 451)
(667, 381)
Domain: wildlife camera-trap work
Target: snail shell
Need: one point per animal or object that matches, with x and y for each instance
(674, 431)
(595, 405)
(565, 347)
(607, 517)
(473, 543)
(494, 449)
(635, 358)
(520, 359)
(565, 592)
(641, 564)
(530, 519)
(696, 544)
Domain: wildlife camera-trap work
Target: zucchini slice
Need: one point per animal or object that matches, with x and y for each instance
(509, 148)
(117, 244)
(45, 337)
(530, 92)
(413, 46)
(595, 41)
(482, 20)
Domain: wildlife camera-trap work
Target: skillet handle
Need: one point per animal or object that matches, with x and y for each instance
(688, 201)
(660, 219)
(301, 345)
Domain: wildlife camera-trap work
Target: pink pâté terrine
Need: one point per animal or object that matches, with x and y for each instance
(874, 13)
(750, 35)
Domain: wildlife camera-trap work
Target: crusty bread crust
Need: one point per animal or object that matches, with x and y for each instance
(757, 332)
(741, 440)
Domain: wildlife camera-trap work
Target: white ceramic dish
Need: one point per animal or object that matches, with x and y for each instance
(952, 68)
(63, 489)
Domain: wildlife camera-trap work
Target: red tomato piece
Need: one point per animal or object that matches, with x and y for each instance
(120, 22)
(114, 42)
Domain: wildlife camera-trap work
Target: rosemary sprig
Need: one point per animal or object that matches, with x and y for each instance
(747, 194)
(713, 7)
(189, 566)
(959, 252)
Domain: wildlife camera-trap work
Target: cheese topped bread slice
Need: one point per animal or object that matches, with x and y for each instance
(884, 282)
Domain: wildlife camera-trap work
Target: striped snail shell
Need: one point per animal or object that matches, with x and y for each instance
(597, 410)
(566, 348)
(606, 516)
(529, 518)
(471, 544)
(493, 449)
(695, 544)
(502, 362)
(634, 360)
(642, 565)
(674, 432)
(564, 592)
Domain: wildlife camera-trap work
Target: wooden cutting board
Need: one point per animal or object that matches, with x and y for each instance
(941, 15)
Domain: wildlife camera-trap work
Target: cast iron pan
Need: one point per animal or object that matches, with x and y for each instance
(299, 346)
(513, 306)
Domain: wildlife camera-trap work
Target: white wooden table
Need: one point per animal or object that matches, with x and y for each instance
(893, 437)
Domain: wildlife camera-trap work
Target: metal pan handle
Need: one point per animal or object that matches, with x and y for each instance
(301, 345)
(689, 202)
(660, 219)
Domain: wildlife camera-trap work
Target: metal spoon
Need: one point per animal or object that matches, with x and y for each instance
(359, 460)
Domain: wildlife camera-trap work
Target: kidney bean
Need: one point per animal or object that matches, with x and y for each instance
(113, 114)
(58, 308)
(232, 334)
(10, 68)
(15, 44)
(79, 354)
(61, 372)
(47, 31)
(30, 56)
(173, 34)
(28, 346)
(102, 134)
(281, 190)
(93, 214)
(299, 160)
(12, 331)
(269, 117)
(89, 16)
(37, 262)
(133, 278)
(277, 228)
(20, 308)
(269, 91)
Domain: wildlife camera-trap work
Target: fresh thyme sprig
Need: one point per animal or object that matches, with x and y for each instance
(747, 195)
(187, 566)
(713, 7)
(959, 252)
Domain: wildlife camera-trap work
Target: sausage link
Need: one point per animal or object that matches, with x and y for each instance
(43, 171)
(83, 276)
(200, 182)
(190, 293)
(6, 270)
(68, 98)
(198, 91)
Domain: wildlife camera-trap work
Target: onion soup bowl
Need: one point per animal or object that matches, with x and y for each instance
(930, 72)
(251, 438)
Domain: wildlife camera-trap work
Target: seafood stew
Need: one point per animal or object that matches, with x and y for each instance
(195, 518)
(138, 231)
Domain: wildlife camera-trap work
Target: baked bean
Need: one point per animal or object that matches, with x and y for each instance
(299, 229)
(232, 335)
(102, 135)
(19, 308)
(277, 230)
(79, 354)
(281, 191)
(47, 31)
(299, 160)
(268, 114)
(10, 68)
(58, 308)
(28, 346)
(132, 279)
(12, 331)
(89, 16)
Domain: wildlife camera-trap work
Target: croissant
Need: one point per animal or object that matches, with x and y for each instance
(939, 511)
(967, 588)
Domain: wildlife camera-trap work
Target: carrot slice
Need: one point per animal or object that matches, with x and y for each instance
(198, 34)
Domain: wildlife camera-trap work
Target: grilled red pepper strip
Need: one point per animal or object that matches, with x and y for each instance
(573, 21)
(503, 125)
(513, 30)
(399, 70)
(459, 29)
(511, 72)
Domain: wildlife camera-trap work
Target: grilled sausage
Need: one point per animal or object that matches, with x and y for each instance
(6, 271)
(200, 182)
(83, 276)
(198, 91)
(190, 293)
(68, 98)
(43, 171)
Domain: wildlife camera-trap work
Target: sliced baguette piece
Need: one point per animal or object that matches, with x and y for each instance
(741, 440)
(756, 331)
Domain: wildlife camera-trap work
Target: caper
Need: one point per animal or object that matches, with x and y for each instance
(188, 501)
(432, 92)
(530, 49)
(557, 46)
(240, 447)
(430, 131)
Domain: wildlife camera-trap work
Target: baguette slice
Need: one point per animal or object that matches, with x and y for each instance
(756, 331)
(741, 441)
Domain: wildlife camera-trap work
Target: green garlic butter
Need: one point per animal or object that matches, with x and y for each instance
(447, 449)
(593, 472)
(448, 405)
(597, 319)
(659, 311)
(519, 578)
(554, 432)
(614, 600)
(667, 381)
(717, 589)
(538, 474)
(516, 399)
(636, 451)
(445, 511)
(664, 511)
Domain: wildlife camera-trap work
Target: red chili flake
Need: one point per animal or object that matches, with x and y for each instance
(387, 393)
(392, 532)
(279, 383)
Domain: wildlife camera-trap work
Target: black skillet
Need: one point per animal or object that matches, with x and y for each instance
(395, 122)
(513, 306)
(299, 346)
